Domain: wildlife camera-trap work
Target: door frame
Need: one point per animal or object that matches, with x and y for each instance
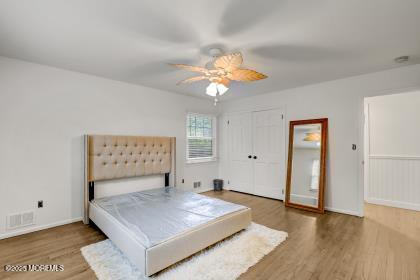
(366, 149)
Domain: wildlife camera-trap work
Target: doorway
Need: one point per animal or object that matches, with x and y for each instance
(392, 150)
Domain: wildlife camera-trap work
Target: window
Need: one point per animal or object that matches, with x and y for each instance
(315, 175)
(201, 138)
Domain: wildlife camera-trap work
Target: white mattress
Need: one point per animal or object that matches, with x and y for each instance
(155, 216)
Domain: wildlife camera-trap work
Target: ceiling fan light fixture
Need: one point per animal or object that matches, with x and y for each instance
(221, 88)
(211, 89)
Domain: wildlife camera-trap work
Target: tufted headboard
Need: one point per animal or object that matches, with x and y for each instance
(110, 157)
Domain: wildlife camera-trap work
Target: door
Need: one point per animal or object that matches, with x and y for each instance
(240, 148)
(268, 153)
(256, 151)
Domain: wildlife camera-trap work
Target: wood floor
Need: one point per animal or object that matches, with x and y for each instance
(383, 245)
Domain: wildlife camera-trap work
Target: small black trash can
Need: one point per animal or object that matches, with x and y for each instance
(218, 184)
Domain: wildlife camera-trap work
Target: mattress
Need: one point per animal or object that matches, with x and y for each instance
(157, 215)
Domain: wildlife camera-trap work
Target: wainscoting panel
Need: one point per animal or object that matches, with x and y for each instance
(394, 181)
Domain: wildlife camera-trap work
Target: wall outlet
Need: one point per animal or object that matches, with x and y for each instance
(40, 203)
(197, 184)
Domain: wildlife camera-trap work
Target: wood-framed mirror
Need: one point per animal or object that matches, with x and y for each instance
(305, 185)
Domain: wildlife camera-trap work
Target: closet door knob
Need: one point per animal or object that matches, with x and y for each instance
(255, 157)
(249, 156)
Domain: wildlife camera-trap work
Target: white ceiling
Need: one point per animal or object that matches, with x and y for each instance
(294, 42)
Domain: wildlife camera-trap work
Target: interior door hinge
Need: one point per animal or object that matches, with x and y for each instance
(282, 116)
(282, 191)
(228, 122)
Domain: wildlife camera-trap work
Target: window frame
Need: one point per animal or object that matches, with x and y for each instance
(213, 137)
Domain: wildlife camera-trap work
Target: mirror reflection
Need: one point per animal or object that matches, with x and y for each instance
(304, 186)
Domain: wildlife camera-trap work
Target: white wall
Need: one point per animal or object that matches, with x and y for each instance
(44, 112)
(393, 151)
(394, 124)
(342, 102)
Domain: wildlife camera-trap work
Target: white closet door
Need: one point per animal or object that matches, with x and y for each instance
(241, 173)
(269, 150)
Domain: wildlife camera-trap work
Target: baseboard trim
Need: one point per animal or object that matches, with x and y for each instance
(203, 190)
(278, 199)
(342, 211)
(397, 204)
(38, 228)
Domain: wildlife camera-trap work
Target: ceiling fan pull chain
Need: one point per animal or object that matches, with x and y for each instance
(215, 99)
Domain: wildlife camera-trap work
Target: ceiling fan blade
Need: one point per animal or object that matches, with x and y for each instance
(193, 79)
(246, 75)
(190, 68)
(144, 70)
(229, 62)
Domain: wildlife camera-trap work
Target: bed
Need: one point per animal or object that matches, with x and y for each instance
(159, 227)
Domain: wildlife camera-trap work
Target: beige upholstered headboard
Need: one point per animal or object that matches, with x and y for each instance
(110, 157)
(113, 157)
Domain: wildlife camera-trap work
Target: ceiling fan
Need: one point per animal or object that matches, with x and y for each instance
(225, 68)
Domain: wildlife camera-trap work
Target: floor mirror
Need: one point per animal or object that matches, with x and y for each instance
(305, 185)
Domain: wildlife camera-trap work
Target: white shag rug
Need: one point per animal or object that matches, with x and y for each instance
(227, 260)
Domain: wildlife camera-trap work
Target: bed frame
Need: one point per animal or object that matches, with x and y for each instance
(110, 157)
